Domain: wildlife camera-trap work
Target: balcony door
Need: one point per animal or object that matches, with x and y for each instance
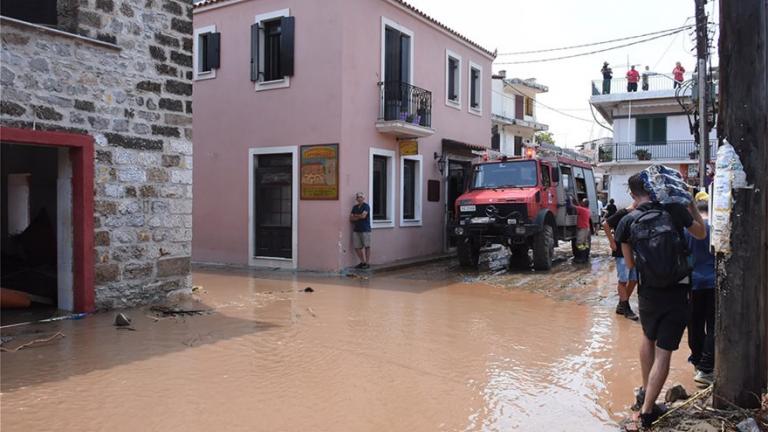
(397, 56)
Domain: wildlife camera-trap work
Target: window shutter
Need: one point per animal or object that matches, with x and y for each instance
(287, 30)
(214, 51)
(518, 107)
(659, 130)
(255, 52)
(643, 130)
(452, 79)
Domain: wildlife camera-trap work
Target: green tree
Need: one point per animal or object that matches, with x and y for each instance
(545, 138)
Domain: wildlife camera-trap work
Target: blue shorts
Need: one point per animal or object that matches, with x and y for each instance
(622, 273)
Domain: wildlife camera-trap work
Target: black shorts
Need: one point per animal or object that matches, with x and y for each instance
(664, 314)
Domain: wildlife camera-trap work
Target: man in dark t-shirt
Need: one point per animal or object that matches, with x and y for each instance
(610, 209)
(627, 279)
(361, 231)
(663, 310)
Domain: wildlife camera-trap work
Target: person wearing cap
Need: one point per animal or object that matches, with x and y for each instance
(607, 76)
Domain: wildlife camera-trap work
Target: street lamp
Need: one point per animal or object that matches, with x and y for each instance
(440, 162)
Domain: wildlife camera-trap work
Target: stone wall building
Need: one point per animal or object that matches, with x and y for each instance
(100, 92)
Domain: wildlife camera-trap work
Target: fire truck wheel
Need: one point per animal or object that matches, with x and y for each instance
(543, 248)
(469, 256)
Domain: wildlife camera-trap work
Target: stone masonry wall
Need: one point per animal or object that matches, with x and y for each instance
(136, 101)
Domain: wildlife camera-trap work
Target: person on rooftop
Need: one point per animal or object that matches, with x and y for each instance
(607, 76)
(633, 77)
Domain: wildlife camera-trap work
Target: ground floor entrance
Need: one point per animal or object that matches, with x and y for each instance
(273, 211)
(46, 228)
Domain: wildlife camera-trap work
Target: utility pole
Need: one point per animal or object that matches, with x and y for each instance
(702, 49)
(741, 324)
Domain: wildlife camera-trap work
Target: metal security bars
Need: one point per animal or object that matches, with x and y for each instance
(404, 102)
(680, 150)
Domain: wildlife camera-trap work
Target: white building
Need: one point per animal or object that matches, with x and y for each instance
(649, 127)
(513, 107)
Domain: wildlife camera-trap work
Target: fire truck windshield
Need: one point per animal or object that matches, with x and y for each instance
(504, 174)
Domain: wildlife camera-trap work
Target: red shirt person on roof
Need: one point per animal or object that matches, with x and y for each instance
(633, 76)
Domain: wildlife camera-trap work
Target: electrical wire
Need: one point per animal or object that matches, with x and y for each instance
(544, 106)
(591, 52)
(593, 43)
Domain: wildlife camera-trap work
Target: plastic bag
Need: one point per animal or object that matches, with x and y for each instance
(666, 185)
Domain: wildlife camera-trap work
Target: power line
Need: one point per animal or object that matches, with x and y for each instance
(594, 43)
(591, 52)
(543, 105)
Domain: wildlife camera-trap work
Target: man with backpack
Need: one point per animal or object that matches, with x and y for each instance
(652, 239)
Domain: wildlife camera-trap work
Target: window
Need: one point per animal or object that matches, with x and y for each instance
(529, 106)
(475, 88)
(396, 52)
(452, 79)
(382, 187)
(57, 14)
(206, 52)
(545, 177)
(651, 130)
(33, 11)
(410, 193)
(272, 50)
(504, 174)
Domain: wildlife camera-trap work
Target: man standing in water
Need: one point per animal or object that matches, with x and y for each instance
(361, 232)
(627, 278)
(664, 283)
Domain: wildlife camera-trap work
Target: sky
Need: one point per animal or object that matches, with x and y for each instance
(516, 25)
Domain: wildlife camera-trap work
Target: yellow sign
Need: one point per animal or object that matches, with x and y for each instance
(409, 148)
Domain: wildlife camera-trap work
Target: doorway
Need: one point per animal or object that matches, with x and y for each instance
(272, 240)
(457, 178)
(29, 223)
(46, 233)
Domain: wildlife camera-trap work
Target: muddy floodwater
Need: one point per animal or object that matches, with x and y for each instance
(422, 349)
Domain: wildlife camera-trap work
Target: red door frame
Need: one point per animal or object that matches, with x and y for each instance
(81, 154)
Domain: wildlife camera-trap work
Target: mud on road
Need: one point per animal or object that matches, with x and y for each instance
(430, 348)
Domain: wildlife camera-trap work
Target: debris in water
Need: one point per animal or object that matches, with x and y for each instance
(309, 290)
(197, 288)
(177, 311)
(30, 343)
(121, 320)
(311, 312)
(676, 393)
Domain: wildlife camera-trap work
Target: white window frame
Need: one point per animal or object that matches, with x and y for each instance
(386, 22)
(457, 103)
(273, 84)
(198, 75)
(477, 111)
(259, 261)
(417, 194)
(390, 154)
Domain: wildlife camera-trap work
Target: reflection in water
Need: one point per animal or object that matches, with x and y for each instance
(417, 350)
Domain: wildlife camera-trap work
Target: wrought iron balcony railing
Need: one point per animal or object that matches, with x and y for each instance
(404, 102)
(680, 150)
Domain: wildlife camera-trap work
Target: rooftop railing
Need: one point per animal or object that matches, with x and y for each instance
(404, 102)
(652, 82)
(661, 151)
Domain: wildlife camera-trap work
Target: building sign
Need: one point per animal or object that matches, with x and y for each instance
(409, 148)
(320, 172)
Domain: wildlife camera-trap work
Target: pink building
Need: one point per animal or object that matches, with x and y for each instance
(396, 100)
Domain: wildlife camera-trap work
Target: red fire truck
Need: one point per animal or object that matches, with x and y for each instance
(522, 204)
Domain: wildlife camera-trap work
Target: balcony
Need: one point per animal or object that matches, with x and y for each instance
(405, 111)
(681, 151)
(656, 83)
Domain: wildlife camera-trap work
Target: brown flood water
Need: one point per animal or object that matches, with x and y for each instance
(425, 349)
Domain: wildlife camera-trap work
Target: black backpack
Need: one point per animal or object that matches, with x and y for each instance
(661, 252)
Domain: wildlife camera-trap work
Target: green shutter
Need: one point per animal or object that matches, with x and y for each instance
(642, 130)
(659, 130)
